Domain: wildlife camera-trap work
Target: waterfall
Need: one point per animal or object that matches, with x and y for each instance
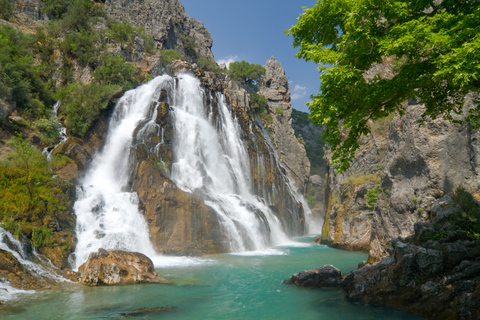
(43, 270)
(209, 159)
(214, 162)
(62, 132)
(107, 213)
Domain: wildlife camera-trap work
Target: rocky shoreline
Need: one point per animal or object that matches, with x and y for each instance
(433, 273)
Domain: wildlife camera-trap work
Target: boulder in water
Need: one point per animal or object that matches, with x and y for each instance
(116, 266)
(320, 277)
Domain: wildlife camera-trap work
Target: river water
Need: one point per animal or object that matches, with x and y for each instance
(248, 286)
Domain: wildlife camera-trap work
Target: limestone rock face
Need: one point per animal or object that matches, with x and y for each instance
(320, 277)
(289, 150)
(116, 266)
(179, 222)
(167, 21)
(412, 165)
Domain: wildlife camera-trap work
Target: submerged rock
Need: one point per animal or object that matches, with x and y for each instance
(146, 311)
(320, 277)
(117, 266)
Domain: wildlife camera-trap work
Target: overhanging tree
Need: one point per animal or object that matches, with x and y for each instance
(435, 45)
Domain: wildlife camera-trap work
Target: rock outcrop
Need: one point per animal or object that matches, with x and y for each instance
(432, 273)
(412, 166)
(320, 277)
(107, 267)
(167, 21)
(289, 150)
(436, 279)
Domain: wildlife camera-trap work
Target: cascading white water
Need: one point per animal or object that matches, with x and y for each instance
(215, 163)
(209, 158)
(62, 132)
(41, 270)
(107, 214)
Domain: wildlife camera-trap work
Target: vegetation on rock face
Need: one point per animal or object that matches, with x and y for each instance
(434, 44)
(82, 104)
(6, 9)
(249, 74)
(32, 203)
(21, 80)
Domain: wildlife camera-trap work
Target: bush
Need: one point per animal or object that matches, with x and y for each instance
(208, 64)
(56, 9)
(468, 215)
(189, 46)
(168, 55)
(279, 111)
(372, 196)
(258, 102)
(20, 77)
(82, 104)
(122, 32)
(48, 130)
(247, 73)
(6, 9)
(82, 45)
(41, 237)
(114, 70)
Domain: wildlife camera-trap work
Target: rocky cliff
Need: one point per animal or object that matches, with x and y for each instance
(289, 150)
(167, 21)
(401, 168)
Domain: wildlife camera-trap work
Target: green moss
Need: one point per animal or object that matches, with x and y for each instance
(357, 180)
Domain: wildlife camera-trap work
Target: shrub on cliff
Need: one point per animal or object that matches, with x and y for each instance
(246, 73)
(6, 9)
(82, 104)
(208, 64)
(114, 70)
(168, 55)
(20, 78)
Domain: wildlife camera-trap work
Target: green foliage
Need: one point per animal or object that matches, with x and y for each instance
(246, 73)
(279, 111)
(6, 9)
(258, 103)
(122, 32)
(82, 45)
(20, 79)
(48, 130)
(79, 14)
(168, 55)
(300, 139)
(372, 196)
(59, 161)
(189, 46)
(114, 70)
(435, 45)
(55, 9)
(24, 179)
(41, 237)
(357, 180)
(468, 215)
(82, 104)
(208, 64)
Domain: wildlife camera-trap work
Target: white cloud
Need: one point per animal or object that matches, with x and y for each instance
(227, 61)
(299, 92)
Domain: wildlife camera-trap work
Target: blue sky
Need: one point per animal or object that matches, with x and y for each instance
(254, 30)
